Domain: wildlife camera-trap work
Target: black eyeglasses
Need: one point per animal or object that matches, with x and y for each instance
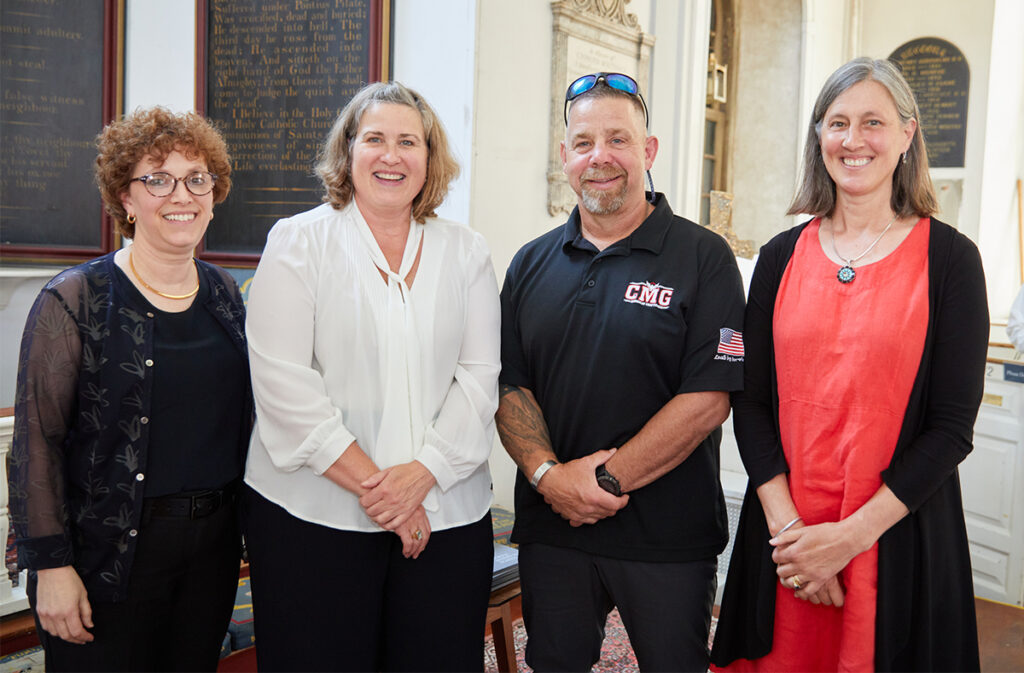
(199, 183)
(614, 80)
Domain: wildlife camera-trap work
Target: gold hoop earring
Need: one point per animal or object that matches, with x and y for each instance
(131, 218)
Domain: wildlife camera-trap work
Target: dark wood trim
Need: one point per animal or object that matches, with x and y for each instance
(202, 41)
(238, 260)
(376, 39)
(17, 632)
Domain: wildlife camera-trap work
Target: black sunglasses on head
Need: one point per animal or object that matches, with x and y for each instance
(614, 80)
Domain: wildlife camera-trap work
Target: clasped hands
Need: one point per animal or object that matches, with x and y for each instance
(394, 501)
(816, 554)
(572, 491)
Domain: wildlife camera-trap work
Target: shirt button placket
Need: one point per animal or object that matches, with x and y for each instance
(591, 274)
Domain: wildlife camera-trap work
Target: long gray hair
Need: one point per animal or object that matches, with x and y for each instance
(912, 191)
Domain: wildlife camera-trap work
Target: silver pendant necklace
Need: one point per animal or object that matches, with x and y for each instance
(846, 274)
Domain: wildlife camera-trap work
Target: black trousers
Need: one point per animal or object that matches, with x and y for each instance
(180, 597)
(332, 600)
(567, 595)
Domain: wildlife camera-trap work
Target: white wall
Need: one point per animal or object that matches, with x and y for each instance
(826, 46)
(18, 291)
(676, 97)
(160, 54)
(434, 44)
(510, 147)
(764, 112)
(510, 140)
(1003, 161)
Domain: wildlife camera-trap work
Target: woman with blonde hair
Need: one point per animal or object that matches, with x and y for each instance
(373, 329)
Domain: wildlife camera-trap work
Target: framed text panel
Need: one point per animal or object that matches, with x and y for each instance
(61, 83)
(940, 78)
(275, 75)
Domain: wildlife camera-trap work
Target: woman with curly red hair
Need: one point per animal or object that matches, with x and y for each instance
(132, 419)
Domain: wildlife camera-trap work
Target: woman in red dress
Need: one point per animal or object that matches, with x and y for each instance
(866, 333)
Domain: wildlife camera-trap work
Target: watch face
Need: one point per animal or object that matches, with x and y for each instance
(609, 483)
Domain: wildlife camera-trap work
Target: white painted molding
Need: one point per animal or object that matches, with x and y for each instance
(12, 599)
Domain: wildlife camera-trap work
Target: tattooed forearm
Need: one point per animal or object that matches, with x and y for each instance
(521, 426)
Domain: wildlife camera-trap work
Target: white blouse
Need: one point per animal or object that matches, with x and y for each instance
(337, 355)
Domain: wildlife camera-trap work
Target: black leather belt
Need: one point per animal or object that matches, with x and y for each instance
(194, 506)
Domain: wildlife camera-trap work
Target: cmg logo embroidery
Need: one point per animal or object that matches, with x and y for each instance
(649, 294)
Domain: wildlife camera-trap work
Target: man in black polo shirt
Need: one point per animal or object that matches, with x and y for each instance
(621, 339)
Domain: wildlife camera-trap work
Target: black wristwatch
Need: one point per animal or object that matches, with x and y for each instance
(606, 481)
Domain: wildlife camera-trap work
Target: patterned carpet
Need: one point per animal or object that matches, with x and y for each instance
(616, 653)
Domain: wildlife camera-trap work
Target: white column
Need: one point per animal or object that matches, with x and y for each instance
(12, 599)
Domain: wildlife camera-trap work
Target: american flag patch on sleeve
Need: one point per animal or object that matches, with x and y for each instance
(730, 342)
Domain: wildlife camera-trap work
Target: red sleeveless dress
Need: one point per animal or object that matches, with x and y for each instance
(846, 357)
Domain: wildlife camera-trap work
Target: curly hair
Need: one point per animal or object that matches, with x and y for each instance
(912, 191)
(154, 133)
(334, 162)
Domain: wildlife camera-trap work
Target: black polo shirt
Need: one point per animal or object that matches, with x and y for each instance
(604, 340)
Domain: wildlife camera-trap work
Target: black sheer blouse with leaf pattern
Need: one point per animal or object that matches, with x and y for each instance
(82, 419)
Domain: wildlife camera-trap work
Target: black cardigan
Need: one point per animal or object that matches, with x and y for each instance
(925, 612)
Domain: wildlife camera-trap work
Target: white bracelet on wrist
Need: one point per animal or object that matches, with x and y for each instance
(788, 526)
(541, 471)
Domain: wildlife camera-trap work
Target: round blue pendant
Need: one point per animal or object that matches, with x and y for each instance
(846, 274)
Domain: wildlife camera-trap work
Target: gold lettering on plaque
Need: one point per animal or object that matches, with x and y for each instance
(274, 65)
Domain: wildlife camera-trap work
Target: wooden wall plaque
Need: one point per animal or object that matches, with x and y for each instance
(939, 75)
(274, 75)
(61, 63)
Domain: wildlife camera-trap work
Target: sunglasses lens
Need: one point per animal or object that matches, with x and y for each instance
(615, 80)
(581, 86)
(622, 83)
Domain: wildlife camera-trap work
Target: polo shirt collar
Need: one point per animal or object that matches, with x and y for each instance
(650, 235)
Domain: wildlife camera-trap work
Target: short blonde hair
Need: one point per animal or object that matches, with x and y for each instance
(334, 163)
(912, 191)
(155, 133)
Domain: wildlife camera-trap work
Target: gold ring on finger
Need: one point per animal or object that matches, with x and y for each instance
(418, 534)
(795, 579)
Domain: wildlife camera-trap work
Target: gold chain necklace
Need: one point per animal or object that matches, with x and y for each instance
(149, 287)
(846, 273)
